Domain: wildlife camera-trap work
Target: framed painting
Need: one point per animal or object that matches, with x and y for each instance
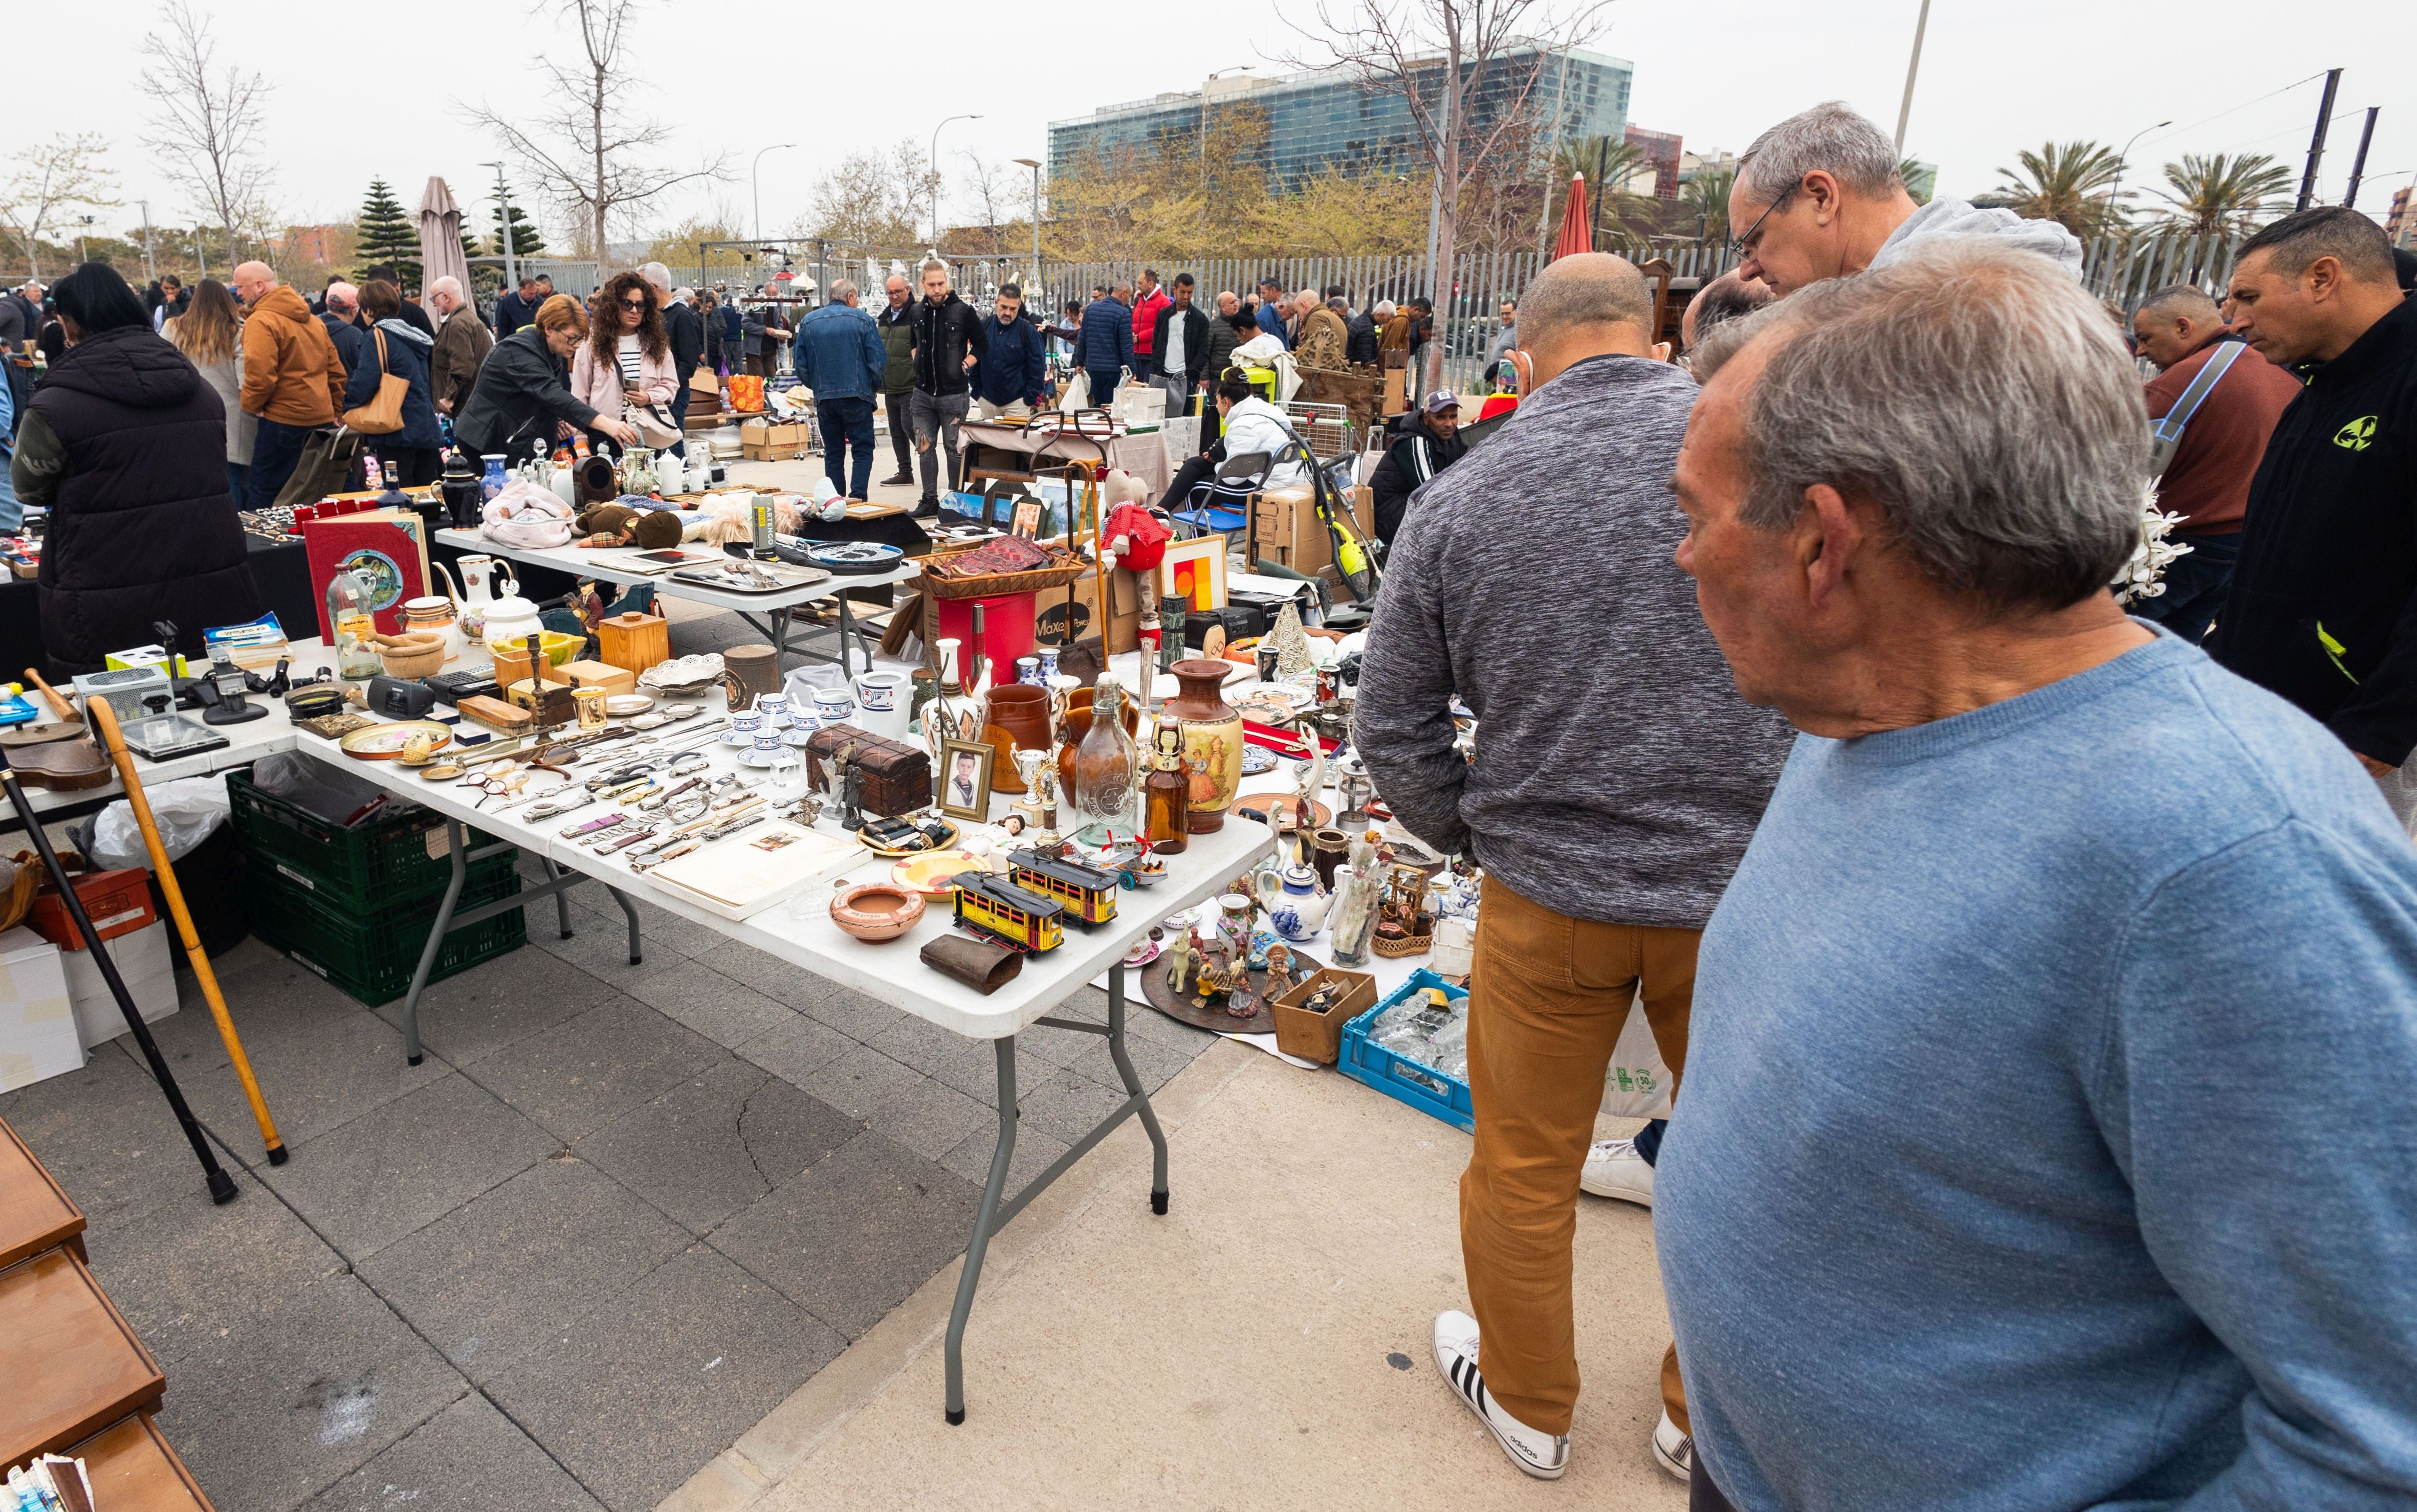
(1195, 571)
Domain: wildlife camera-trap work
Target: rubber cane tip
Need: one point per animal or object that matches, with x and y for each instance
(413, 1060)
(955, 1416)
(279, 1154)
(636, 959)
(222, 1188)
(1158, 1203)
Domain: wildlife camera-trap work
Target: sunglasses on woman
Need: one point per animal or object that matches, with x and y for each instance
(638, 305)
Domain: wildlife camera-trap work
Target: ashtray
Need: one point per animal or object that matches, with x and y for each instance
(876, 910)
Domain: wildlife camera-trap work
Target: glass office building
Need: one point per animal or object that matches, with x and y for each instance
(1324, 117)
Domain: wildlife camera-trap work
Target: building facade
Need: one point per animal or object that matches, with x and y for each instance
(1324, 118)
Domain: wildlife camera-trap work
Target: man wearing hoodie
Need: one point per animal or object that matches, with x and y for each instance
(1820, 198)
(948, 341)
(293, 380)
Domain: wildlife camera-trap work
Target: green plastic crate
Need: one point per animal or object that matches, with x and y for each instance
(371, 956)
(362, 869)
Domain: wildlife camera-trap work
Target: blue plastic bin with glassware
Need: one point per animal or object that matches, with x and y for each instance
(1424, 1087)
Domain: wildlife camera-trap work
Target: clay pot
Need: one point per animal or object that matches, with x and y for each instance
(877, 911)
(1213, 740)
(412, 654)
(1016, 717)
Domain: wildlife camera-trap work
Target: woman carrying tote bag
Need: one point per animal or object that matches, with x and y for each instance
(388, 399)
(624, 369)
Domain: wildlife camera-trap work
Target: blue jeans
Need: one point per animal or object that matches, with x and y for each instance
(847, 422)
(2196, 585)
(1103, 387)
(240, 484)
(275, 448)
(1141, 366)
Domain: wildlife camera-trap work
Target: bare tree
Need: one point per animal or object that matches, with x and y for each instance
(871, 200)
(67, 170)
(1467, 72)
(997, 190)
(207, 130)
(592, 150)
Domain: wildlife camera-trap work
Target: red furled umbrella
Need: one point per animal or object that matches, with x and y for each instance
(1577, 235)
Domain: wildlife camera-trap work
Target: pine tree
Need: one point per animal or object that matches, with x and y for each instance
(528, 241)
(386, 235)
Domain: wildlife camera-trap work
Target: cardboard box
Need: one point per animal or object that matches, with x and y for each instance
(38, 1023)
(147, 965)
(1318, 1037)
(1286, 530)
(1396, 390)
(767, 440)
(1123, 630)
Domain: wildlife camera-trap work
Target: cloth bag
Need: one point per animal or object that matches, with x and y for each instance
(656, 432)
(527, 516)
(1076, 393)
(1636, 1084)
(326, 460)
(383, 414)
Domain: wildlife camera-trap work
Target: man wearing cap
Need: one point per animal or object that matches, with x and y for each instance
(1431, 443)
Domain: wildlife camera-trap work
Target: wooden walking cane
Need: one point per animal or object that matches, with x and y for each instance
(104, 721)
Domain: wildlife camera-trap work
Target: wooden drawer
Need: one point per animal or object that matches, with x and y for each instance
(69, 1366)
(132, 1469)
(35, 1211)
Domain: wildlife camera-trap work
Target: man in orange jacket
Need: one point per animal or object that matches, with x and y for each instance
(293, 381)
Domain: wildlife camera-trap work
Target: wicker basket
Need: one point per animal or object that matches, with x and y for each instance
(996, 584)
(1411, 944)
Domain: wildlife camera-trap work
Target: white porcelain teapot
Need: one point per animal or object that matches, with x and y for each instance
(1295, 906)
(511, 620)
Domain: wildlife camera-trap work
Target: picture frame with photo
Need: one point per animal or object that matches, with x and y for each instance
(965, 779)
(1027, 519)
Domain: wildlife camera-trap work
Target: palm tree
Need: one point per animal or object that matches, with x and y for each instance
(1705, 196)
(2061, 182)
(1921, 179)
(2221, 194)
(1609, 163)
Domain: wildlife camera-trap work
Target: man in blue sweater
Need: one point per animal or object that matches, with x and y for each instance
(1012, 374)
(837, 354)
(2047, 1140)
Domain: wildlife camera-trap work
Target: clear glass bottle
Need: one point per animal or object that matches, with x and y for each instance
(349, 613)
(1105, 789)
(1165, 795)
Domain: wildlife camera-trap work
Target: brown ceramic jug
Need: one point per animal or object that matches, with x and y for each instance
(1020, 711)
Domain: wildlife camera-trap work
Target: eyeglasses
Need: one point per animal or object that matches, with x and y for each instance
(1742, 247)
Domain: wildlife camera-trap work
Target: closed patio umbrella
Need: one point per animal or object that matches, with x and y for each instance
(440, 238)
(1577, 232)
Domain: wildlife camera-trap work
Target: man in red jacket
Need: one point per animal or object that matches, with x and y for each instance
(1145, 321)
(2181, 330)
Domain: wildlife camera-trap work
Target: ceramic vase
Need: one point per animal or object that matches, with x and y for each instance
(1213, 740)
(1020, 713)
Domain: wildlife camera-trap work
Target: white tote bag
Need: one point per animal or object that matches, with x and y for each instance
(1077, 395)
(1637, 1084)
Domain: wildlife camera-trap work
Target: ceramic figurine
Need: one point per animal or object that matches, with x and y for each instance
(1180, 963)
(1352, 917)
(1282, 978)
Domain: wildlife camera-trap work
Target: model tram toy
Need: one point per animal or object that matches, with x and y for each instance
(998, 909)
(1088, 892)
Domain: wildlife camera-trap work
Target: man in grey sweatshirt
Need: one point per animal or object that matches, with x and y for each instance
(1818, 196)
(1617, 778)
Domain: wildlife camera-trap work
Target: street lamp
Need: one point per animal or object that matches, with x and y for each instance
(754, 170)
(504, 227)
(2123, 160)
(1034, 163)
(935, 159)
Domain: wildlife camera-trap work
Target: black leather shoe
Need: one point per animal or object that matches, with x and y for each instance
(901, 480)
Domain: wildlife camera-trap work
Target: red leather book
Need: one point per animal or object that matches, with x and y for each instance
(385, 546)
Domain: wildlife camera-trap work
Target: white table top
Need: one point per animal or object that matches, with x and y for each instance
(799, 930)
(613, 567)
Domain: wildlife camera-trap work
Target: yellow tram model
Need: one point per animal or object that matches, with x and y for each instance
(1000, 909)
(1088, 893)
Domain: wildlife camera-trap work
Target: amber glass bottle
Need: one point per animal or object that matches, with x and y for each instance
(1165, 797)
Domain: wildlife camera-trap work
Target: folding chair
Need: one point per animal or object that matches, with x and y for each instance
(1224, 502)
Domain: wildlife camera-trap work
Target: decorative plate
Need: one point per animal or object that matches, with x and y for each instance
(384, 742)
(930, 871)
(621, 705)
(1258, 759)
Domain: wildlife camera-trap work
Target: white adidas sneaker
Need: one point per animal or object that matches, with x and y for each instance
(1673, 1450)
(1613, 1169)
(1541, 1455)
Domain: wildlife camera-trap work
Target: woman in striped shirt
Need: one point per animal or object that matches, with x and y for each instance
(626, 363)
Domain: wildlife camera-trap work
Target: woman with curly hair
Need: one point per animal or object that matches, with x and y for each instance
(626, 363)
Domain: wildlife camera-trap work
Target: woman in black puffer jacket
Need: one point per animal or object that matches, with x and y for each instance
(126, 443)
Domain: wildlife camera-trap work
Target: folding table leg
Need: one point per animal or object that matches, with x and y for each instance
(1132, 1087)
(561, 899)
(453, 838)
(779, 640)
(630, 909)
(985, 1218)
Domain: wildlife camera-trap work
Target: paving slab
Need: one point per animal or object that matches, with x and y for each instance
(407, 1164)
(106, 1133)
(504, 1271)
(862, 1081)
(499, 1003)
(1067, 1106)
(797, 1049)
(969, 1065)
(583, 1073)
(292, 1399)
(182, 1269)
(724, 1010)
(321, 1058)
(637, 1393)
(856, 1232)
(1034, 1150)
(468, 1457)
(716, 1143)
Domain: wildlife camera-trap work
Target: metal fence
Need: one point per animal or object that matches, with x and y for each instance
(575, 278)
(2126, 270)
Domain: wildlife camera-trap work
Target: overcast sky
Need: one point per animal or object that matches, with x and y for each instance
(354, 100)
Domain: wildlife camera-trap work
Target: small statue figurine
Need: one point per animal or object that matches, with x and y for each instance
(1181, 962)
(851, 789)
(1281, 977)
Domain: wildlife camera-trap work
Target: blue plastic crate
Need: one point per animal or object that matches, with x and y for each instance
(1421, 1085)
